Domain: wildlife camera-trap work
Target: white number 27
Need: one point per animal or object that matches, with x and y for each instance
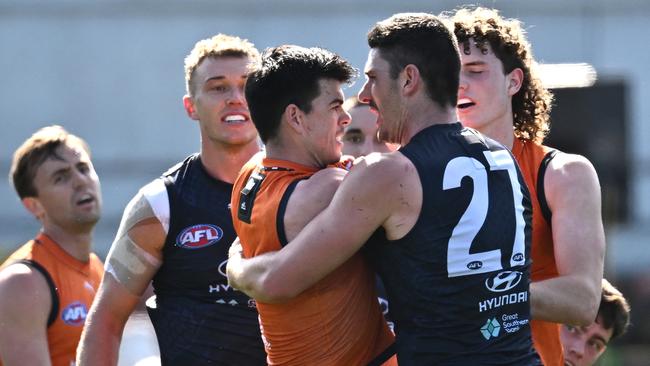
(460, 262)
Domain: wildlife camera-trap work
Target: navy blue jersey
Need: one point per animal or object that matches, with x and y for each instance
(458, 282)
(198, 318)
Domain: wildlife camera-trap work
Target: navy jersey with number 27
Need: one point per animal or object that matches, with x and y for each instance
(458, 282)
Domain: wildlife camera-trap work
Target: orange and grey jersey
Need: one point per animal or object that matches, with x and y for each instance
(337, 321)
(72, 284)
(533, 159)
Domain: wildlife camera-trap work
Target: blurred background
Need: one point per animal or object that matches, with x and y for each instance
(111, 71)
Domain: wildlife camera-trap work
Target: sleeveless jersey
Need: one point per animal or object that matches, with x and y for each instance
(458, 282)
(197, 317)
(72, 285)
(533, 159)
(335, 322)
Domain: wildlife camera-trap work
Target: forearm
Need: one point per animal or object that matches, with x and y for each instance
(100, 343)
(102, 335)
(25, 355)
(567, 299)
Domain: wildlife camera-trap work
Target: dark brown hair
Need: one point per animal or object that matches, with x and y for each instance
(614, 311)
(34, 151)
(532, 103)
(423, 40)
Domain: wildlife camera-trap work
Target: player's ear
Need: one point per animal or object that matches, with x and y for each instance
(34, 206)
(188, 103)
(410, 79)
(514, 81)
(295, 118)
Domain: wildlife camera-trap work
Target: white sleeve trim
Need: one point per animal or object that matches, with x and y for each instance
(156, 194)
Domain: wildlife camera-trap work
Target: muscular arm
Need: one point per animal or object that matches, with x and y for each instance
(131, 264)
(368, 198)
(573, 194)
(25, 305)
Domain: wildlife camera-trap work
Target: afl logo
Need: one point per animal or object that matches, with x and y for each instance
(518, 257)
(199, 236)
(503, 281)
(74, 314)
(474, 265)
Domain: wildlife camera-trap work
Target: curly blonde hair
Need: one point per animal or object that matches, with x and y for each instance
(532, 104)
(221, 45)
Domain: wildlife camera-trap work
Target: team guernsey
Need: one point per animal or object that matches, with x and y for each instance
(72, 284)
(533, 159)
(335, 322)
(198, 318)
(458, 282)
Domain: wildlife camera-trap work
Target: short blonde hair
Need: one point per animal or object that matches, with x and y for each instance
(221, 45)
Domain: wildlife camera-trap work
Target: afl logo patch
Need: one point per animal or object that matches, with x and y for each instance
(74, 314)
(199, 236)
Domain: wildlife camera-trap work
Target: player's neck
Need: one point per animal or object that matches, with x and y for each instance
(76, 243)
(423, 116)
(223, 162)
(293, 151)
(501, 130)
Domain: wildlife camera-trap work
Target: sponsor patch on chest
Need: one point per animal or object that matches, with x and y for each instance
(199, 236)
(74, 314)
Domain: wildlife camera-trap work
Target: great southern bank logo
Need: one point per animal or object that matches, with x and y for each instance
(503, 281)
(199, 236)
(491, 329)
(74, 314)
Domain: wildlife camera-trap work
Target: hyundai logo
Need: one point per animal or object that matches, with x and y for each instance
(222, 268)
(503, 281)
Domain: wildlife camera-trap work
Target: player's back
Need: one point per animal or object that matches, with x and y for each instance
(459, 279)
(335, 322)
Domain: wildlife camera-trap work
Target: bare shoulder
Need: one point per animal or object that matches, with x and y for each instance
(326, 178)
(570, 172)
(383, 173)
(143, 224)
(21, 284)
(383, 166)
(321, 185)
(310, 197)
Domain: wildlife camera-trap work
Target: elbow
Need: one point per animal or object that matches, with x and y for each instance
(592, 306)
(587, 310)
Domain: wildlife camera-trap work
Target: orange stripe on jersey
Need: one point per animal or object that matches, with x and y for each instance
(546, 335)
(337, 321)
(76, 283)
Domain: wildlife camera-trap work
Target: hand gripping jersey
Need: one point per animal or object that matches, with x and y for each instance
(533, 159)
(458, 282)
(72, 285)
(198, 318)
(335, 322)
